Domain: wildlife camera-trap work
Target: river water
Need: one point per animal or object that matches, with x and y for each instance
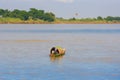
(92, 52)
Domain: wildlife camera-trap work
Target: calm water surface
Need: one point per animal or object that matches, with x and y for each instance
(92, 52)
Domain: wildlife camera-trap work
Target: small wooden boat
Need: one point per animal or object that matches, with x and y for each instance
(57, 51)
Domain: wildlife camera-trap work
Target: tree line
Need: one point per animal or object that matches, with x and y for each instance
(36, 14)
(33, 14)
(99, 18)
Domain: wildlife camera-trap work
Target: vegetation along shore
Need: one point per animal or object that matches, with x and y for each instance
(35, 16)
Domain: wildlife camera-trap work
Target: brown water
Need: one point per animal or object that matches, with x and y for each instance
(92, 52)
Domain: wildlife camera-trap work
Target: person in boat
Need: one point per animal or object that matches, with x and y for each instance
(57, 51)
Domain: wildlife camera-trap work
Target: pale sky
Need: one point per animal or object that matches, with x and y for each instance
(68, 8)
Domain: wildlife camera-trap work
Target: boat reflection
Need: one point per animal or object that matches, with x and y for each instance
(56, 59)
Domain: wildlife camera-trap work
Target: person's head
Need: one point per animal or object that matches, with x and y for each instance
(52, 51)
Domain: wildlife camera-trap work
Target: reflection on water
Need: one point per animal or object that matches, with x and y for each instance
(56, 59)
(90, 56)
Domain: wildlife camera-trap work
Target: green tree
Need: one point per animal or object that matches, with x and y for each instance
(23, 15)
(109, 18)
(15, 13)
(50, 17)
(117, 18)
(36, 14)
(2, 11)
(6, 13)
(99, 18)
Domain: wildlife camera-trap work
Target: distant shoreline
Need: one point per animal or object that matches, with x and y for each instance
(57, 21)
(62, 22)
(36, 16)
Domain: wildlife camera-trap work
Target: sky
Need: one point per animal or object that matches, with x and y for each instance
(68, 8)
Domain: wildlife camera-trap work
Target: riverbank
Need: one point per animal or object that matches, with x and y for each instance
(19, 21)
(85, 22)
(57, 21)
